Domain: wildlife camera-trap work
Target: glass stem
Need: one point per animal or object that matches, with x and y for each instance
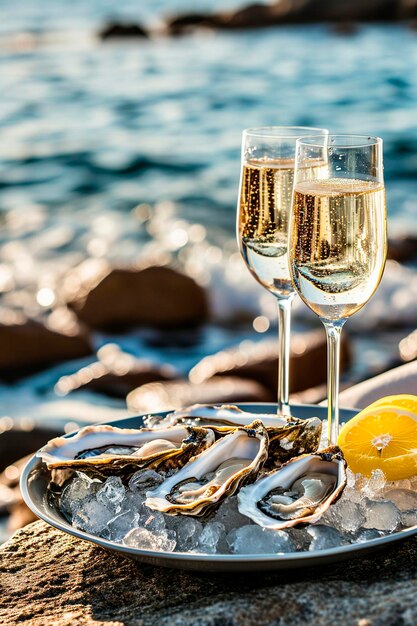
(284, 333)
(333, 332)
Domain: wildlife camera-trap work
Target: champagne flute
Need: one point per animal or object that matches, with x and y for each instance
(337, 237)
(264, 205)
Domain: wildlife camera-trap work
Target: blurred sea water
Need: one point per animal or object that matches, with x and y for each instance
(120, 149)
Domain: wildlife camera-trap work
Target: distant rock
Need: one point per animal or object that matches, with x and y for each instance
(11, 501)
(116, 299)
(181, 24)
(252, 16)
(260, 15)
(166, 396)
(16, 442)
(403, 248)
(29, 346)
(118, 30)
(259, 361)
(115, 374)
(408, 347)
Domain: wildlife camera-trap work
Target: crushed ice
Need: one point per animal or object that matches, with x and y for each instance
(368, 508)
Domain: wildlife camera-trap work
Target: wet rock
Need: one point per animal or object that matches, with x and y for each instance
(403, 249)
(408, 9)
(345, 28)
(259, 361)
(315, 395)
(408, 347)
(180, 25)
(49, 577)
(117, 30)
(29, 346)
(118, 298)
(20, 516)
(11, 501)
(16, 442)
(353, 10)
(115, 374)
(166, 396)
(261, 15)
(251, 16)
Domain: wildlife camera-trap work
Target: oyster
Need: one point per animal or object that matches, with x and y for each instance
(226, 415)
(288, 436)
(297, 437)
(105, 449)
(214, 474)
(299, 492)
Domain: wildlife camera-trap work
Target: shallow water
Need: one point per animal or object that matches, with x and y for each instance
(89, 131)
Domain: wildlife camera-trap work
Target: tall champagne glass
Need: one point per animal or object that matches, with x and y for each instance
(337, 237)
(264, 204)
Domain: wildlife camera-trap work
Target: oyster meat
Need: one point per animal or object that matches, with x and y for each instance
(106, 449)
(214, 474)
(299, 492)
(288, 436)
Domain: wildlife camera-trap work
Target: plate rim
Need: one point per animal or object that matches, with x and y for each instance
(301, 558)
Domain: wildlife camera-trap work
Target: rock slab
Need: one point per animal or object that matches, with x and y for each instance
(48, 577)
(119, 298)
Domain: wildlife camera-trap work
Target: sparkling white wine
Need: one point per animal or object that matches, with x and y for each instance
(337, 244)
(265, 202)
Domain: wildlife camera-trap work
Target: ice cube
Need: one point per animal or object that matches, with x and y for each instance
(144, 480)
(91, 516)
(135, 502)
(155, 522)
(300, 538)
(120, 525)
(229, 515)
(350, 479)
(355, 486)
(144, 539)
(254, 539)
(345, 515)
(405, 483)
(375, 484)
(381, 515)
(367, 535)
(409, 518)
(111, 494)
(413, 483)
(404, 499)
(324, 537)
(210, 536)
(79, 488)
(188, 532)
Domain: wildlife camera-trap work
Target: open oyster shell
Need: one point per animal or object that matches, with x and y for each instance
(297, 437)
(214, 474)
(226, 415)
(288, 436)
(107, 449)
(299, 492)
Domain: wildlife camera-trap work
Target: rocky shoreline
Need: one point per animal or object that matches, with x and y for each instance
(345, 14)
(95, 298)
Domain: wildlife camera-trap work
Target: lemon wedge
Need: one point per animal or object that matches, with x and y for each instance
(382, 436)
(401, 401)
